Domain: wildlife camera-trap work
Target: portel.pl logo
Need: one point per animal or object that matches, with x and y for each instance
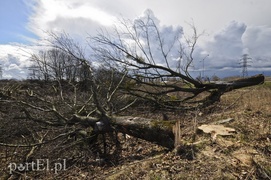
(38, 165)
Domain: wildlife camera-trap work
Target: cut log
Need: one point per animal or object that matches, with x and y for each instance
(156, 131)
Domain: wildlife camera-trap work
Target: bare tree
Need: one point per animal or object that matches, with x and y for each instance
(40, 68)
(56, 64)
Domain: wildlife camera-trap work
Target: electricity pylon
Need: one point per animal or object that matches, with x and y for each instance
(244, 64)
(1, 71)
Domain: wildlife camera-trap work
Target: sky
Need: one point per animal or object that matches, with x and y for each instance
(231, 28)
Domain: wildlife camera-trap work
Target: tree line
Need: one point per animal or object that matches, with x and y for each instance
(55, 64)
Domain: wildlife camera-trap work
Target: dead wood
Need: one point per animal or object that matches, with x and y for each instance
(158, 132)
(163, 132)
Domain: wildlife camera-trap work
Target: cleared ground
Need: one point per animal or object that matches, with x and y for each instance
(244, 155)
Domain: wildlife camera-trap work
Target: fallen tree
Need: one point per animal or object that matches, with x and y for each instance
(164, 132)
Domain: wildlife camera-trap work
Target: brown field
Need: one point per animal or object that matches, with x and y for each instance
(244, 155)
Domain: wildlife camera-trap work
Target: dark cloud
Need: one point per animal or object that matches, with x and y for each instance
(257, 41)
(226, 47)
(228, 43)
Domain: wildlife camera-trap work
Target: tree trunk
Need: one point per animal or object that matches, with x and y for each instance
(240, 83)
(156, 131)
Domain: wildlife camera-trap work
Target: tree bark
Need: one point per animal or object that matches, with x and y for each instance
(156, 131)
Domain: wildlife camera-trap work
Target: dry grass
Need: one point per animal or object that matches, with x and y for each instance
(245, 155)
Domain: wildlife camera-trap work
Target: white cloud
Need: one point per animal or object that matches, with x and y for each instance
(73, 17)
(14, 60)
(249, 32)
(208, 15)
